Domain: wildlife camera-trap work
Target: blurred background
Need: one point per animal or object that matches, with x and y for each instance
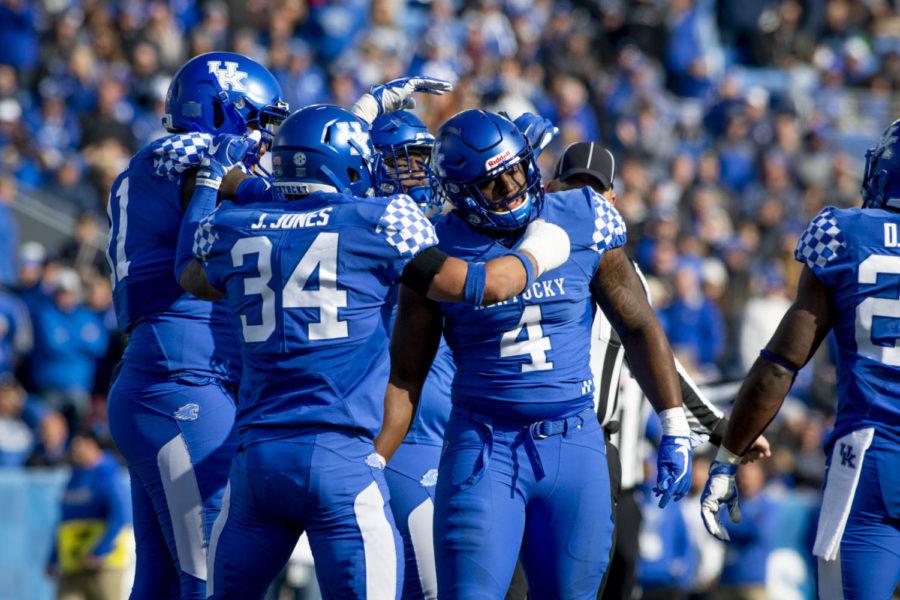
(732, 124)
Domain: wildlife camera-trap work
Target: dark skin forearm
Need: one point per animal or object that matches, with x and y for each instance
(228, 189)
(414, 342)
(617, 289)
(798, 336)
(193, 280)
(506, 277)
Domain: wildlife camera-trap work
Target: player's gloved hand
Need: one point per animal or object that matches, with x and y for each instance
(225, 152)
(547, 243)
(673, 461)
(538, 130)
(396, 95)
(721, 490)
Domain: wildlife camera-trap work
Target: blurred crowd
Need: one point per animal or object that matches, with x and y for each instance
(732, 124)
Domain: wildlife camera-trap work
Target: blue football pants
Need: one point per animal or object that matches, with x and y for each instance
(542, 487)
(325, 484)
(178, 437)
(411, 476)
(868, 562)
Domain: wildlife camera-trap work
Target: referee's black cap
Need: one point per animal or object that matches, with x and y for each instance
(587, 158)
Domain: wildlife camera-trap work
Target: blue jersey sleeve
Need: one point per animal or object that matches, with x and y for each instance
(178, 153)
(407, 230)
(207, 241)
(253, 189)
(822, 246)
(609, 227)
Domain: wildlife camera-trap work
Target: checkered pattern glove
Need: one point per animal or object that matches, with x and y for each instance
(224, 153)
(720, 490)
(396, 95)
(537, 130)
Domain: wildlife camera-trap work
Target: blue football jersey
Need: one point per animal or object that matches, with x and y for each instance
(169, 330)
(534, 348)
(855, 253)
(309, 279)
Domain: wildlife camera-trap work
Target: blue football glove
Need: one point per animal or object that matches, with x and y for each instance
(225, 152)
(673, 468)
(396, 95)
(538, 130)
(720, 489)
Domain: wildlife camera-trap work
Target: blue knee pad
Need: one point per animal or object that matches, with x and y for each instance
(178, 437)
(411, 476)
(503, 483)
(324, 484)
(868, 564)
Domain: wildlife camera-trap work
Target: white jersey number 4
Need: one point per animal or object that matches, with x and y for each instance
(535, 345)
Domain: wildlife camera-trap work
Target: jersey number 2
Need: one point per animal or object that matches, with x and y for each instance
(870, 308)
(534, 345)
(328, 299)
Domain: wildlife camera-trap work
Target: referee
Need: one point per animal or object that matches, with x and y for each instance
(621, 406)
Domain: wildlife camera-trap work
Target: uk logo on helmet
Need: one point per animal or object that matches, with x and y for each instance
(228, 75)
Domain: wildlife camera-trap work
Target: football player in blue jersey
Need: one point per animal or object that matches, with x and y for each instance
(524, 456)
(171, 407)
(405, 143)
(849, 284)
(308, 267)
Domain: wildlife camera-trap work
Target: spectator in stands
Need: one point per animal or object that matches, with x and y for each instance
(18, 424)
(85, 251)
(92, 539)
(668, 559)
(16, 339)
(761, 316)
(744, 573)
(693, 323)
(9, 229)
(69, 338)
(30, 282)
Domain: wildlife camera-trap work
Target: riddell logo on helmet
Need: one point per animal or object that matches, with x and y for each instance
(496, 160)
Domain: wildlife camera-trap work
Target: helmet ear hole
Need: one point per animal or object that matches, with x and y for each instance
(218, 115)
(353, 174)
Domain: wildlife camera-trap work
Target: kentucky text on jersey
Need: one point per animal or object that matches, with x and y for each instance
(535, 347)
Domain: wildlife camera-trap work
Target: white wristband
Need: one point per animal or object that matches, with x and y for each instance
(674, 422)
(727, 456)
(548, 243)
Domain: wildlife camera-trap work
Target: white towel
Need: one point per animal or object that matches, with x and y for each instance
(840, 487)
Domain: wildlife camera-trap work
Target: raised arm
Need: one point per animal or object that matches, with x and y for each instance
(414, 342)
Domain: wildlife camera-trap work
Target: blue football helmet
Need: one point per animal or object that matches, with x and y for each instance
(325, 148)
(405, 144)
(881, 180)
(224, 92)
(473, 148)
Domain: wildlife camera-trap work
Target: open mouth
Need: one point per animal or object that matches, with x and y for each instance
(511, 206)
